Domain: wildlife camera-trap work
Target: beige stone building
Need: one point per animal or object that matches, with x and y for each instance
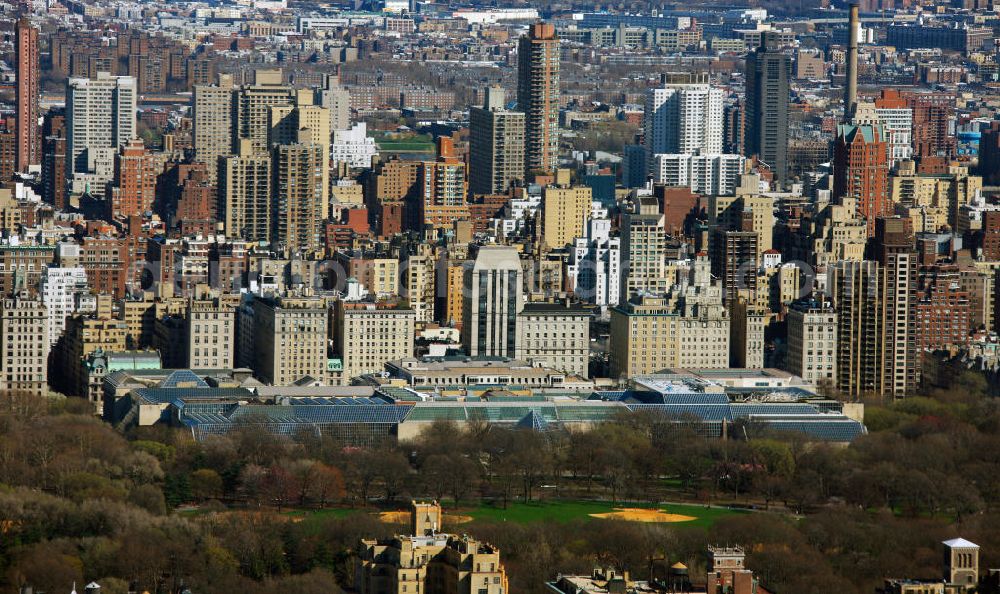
(210, 332)
(289, 339)
(564, 214)
(83, 336)
(253, 106)
(812, 343)
(24, 346)
(837, 233)
(428, 562)
(649, 334)
(369, 334)
(556, 335)
(287, 120)
(934, 200)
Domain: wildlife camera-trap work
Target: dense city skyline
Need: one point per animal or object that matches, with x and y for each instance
(399, 296)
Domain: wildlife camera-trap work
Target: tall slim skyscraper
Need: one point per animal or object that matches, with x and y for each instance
(895, 252)
(644, 245)
(213, 115)
(54, 158)
(854, 289)
(301, 190)
(245, 193)
(442, 190)
(684, 116)
(538, 96)
(767, 75)
(100, 114)
(29, 150)
(496, 145)
(493, 297)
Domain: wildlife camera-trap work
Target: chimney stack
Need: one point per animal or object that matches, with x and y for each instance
(851, 90)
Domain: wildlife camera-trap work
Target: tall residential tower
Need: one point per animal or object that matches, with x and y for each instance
(538, 96)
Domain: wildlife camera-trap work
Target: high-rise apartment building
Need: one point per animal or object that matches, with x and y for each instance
(594, 271)
(494, 295)
(29, 149)
(367, 334)
(337, 100)
(100, 114)
(861, 170)
(442, 190)
(854, 287)
(134, 190)
(643, 256)
(54, 158)
(212, 116)
(253, 106)
(767, 74)
(301, 191)
(496, 145)
(538, 96)
(942, 309)
(734, 260)
(24, 346)
(59, 289)
(417, 280)
(896, 254)
(245, 193)
(286, 121)
(713, 175)
(683, 117)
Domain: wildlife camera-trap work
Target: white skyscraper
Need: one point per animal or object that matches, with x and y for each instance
(493, 298)
(683, 118)
(100, 113)
(595, 265)
(59, 287)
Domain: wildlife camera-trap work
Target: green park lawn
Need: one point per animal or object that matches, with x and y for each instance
(566, 511)
(405, 144)
(537, 511)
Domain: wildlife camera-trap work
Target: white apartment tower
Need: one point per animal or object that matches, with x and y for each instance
(595, 266)
(100, 114)
(684, 117)
(59, 288)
